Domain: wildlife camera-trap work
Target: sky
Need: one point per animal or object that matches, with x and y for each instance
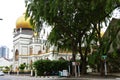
(10, 10)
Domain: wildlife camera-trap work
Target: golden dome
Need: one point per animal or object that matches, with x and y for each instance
(101, 34)
(23, 23)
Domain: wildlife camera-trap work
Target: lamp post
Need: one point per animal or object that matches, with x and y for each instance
(1, 19)
(105, 65)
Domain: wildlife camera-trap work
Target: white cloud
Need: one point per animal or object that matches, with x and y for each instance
(10, 10)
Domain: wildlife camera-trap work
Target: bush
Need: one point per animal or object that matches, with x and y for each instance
(93, 60)
(6, 69)
(22, 66)
(113, 62)
(47, 67)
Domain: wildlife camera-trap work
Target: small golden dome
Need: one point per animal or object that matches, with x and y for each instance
(101, 34)
(23, 23)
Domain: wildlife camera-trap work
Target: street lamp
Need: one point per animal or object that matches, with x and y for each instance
(1, 19)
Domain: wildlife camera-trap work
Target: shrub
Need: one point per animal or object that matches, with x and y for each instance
(47, 67)
(22, 66)
(113, 62)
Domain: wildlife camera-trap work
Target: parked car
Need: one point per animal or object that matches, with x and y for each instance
(1, 73)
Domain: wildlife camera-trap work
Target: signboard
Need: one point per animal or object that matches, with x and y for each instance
(73, 63)
(104, 56)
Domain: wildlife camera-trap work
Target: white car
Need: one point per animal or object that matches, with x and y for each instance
(1, 73)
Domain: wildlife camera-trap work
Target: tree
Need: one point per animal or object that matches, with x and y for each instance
(74, 22)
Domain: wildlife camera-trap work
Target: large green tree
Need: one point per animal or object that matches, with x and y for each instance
(74, 22)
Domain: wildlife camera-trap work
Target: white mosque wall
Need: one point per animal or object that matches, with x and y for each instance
(24, 41)
(24, 50)
(24, 60)
(36, 49)
(22, 36)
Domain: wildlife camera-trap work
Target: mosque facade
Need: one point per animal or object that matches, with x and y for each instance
(29, 46)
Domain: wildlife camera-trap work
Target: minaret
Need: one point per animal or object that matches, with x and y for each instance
(22, 35)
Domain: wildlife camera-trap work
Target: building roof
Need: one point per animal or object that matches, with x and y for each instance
(23, 23)
(24, 31)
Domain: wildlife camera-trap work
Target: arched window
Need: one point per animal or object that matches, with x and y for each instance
(16, 55)
(31, 51)
(39, 52)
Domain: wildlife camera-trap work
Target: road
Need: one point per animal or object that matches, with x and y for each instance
(15, 77)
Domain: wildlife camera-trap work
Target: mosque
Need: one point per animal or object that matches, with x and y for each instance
(29, 46)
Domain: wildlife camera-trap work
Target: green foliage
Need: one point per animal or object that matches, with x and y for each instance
(1, 66)
(74, 22)
(48, 66)
(113, 61)
(6, 69)
(22, 66)
(111, 37)
(93, 60)
(71, 12)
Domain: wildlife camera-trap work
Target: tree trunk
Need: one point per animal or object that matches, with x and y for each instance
(73, 56)
(83, 66)
(74, 52)
(102, 69)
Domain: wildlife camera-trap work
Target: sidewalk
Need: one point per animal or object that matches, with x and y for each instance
(90, 76)
(97, 75)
